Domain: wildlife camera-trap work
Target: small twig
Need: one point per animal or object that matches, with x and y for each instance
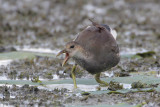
(97, 25)
(93, 23)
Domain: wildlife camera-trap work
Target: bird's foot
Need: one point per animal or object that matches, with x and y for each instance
(105, 84)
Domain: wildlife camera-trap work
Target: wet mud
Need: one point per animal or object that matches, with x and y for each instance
(50, 24)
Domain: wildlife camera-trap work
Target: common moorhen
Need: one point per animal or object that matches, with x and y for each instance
(95, 49)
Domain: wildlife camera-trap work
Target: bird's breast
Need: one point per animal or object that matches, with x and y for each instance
(80, 61)
(94, 65)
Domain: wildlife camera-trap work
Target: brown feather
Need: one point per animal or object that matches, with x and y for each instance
(101, 45)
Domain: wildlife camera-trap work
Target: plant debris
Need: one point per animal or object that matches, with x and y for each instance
(113, 86)
(146, 54)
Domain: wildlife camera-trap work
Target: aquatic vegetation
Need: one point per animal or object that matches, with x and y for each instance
(36, 79)
(32, 31)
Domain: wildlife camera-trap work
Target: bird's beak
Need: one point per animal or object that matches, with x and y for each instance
(66, 57)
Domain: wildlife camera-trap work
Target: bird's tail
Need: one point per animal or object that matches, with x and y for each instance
(114, 33)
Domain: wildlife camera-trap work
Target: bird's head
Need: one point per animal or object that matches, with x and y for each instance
(72, 49)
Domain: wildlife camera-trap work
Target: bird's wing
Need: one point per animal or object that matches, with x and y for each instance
(96, 42)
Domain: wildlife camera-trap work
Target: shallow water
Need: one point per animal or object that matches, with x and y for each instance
(5, 62)
(39, 29)
(39, 50)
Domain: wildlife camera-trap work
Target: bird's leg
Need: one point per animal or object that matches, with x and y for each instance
(97, 78)
(73, 75)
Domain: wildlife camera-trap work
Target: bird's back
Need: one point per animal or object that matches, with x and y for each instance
(101, 45)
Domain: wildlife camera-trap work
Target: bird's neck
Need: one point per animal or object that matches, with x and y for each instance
(83, 54)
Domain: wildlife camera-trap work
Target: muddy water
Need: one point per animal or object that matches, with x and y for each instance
(41, 28)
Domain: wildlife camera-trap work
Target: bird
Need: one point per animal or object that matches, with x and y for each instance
(95, 49)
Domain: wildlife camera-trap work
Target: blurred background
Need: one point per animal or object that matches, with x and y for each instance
(32, 32)
(52, 23)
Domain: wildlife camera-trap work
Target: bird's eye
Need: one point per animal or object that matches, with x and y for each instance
(72, 46)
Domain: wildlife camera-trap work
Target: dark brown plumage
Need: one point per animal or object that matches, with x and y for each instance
(95, 49)
(103, 48)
